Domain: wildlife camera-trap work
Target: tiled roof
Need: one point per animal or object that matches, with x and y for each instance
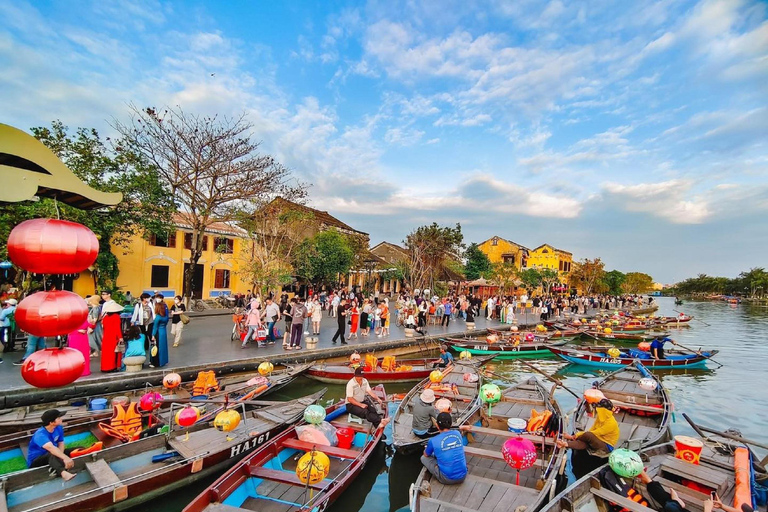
(182, 221)
(506, 240)
(555, 248)
(321, 216)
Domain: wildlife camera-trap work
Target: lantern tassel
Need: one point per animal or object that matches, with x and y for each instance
(517, 480)
(186, 438)
(490, 413)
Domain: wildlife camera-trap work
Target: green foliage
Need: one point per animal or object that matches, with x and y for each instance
(531, 278)
(637, 282)
(613, 282)
(146, 205)
(548, 277)
(753, 283)
(323, 257)
(505, 275)
(478, 265)
(430, 248)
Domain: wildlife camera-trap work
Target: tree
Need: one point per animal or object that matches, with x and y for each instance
(146, 204)
(429, 248)
(531, 278)
(504, 275)
(210, 165)
(587, 274)
(753, 280)
(613, 281)
(478, 265)
(323, 257)
(548, 277)
(637, 282)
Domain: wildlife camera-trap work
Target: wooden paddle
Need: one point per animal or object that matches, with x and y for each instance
(696, 352)
(556, 381)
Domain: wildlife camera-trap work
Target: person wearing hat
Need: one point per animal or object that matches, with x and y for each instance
(444, 455)
(359, 394)
(424, 415)
(603, 435)
(46, 448)
(446, 358)
(111, 355)
(6, 334)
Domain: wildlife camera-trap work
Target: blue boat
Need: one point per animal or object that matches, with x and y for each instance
(673, 359)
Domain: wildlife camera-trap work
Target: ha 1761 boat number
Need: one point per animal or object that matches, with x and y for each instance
(249, 445)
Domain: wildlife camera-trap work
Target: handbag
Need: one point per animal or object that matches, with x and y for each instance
(120, 347)
(184, 318)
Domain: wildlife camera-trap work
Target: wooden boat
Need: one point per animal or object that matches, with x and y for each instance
(619, 337)
(564, 332)
(78, 411)
(502, 350)
(462, 393)
(266, 480)
(672, 358)
(693, 483)
(673, 321)
(127, 475)
(644, 415)
(642, 310)
(339, 373)
(490, 484)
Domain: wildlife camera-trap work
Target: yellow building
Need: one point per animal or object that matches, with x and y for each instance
(500, 250)
(546, 256)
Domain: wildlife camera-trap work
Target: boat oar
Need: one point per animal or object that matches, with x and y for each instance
(548, 376)
(697, 351)
(701, 431)
(694, 318)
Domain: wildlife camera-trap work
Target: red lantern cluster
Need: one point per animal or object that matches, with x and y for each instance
(50, 246)
(53, 367)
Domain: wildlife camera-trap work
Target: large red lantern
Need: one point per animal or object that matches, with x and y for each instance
(50, 246)
(519, 453)
(53, 367)
(51, 313)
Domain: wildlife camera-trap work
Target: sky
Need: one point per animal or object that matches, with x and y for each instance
(636, 132)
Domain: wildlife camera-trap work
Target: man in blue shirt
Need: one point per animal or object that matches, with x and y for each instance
(447, 310)
(657, 347)
(446, 358)
(444, 456)
(47, 446)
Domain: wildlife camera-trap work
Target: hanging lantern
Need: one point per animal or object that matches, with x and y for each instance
(436, 376)
(514, 328)
(314, 414)
(644, 346)
(471, 377)
(172, 381)
(592, 395)
(492, 338)
(354, 358)
(530, 336)
(50, 246)
(490, 394)
(187, 416)
(227, 421)
(608, 330)
(614, 352)
(648, 384)
(150, 401)
(625, 463)
(443, 405)
(465, 355)
(519, 454)
(266, 368)
(313, 467)
(51, 313)
(53, 367)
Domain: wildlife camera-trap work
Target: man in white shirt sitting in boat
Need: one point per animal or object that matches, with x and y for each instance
(359, 394)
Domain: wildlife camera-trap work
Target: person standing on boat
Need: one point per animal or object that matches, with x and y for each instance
(444, 455)
(424, 415)
(657, 347)
(446, 358)
(359, 394)
(603, 435)
(46, 448)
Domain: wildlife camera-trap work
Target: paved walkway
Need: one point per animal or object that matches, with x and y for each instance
(207, 341)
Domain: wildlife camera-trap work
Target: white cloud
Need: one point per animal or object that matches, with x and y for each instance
(666, 200)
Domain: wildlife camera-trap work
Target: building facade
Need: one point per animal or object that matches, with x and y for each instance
(546, 256)
(500, 250)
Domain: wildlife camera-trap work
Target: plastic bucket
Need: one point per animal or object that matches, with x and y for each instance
(688, 449)
(517, 425)
(345, 436)
(98, 404)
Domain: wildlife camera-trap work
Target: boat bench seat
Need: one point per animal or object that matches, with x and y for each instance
(331, 451)
(619, 500)
(549, 441)
(284, 477)
(491, 454)
(698, 473)
(446, 394)
(102, 474)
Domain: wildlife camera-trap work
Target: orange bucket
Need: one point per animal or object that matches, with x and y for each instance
(688, 449)
(345, 436)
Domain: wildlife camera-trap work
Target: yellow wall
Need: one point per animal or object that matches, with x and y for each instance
(547, 256)
(495, 252)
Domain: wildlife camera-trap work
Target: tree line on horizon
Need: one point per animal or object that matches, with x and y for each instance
(752, 283)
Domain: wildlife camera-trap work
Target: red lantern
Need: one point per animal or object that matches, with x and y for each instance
(50, 246)
(150, 401)
(51, 313)
(53, 367)
(519, 454)
(187, 416)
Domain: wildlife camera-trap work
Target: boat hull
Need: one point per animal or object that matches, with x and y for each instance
(504, 351)
(604, 361)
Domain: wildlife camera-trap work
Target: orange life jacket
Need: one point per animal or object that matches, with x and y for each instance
(125, 423)
(538, 420)
(635, 496)
(205, 383)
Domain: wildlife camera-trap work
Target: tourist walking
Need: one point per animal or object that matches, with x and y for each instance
(271, 316)
(354, 319)
(285, 311)
(341, 315)
(177, 326)
(111, 353)
(364, 318)
(35, 343)
(254, 324)
(447, 309)
(384, 315)
(298, 313)
(160, 334)
(95, 330)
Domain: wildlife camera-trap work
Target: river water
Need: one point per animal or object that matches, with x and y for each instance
(734, 395)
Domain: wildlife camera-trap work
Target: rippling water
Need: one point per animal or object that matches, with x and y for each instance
(734, 395)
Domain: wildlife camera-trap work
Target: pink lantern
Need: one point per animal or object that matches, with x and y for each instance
(50, 246)
(150, 401)
(187, 416)
(53, 367)
(519, 454)
(530, 336)
(51, 313)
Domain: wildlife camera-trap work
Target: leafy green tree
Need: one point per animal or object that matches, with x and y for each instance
(477, 265)
(613, 281)
(637, 282)
(323, 257)
(548, 278)
(429, 250)
(505, 275)
(531, 278)
(146, 206)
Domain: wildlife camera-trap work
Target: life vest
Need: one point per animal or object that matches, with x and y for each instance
(635, 496)
(205, 383)
(125, 423)
(538, 420)
(614, 483)
(388, 364)
(371, 361)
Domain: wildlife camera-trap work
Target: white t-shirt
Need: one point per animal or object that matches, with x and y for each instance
(357, 391)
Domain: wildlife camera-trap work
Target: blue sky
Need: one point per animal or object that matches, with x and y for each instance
(632, 131)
